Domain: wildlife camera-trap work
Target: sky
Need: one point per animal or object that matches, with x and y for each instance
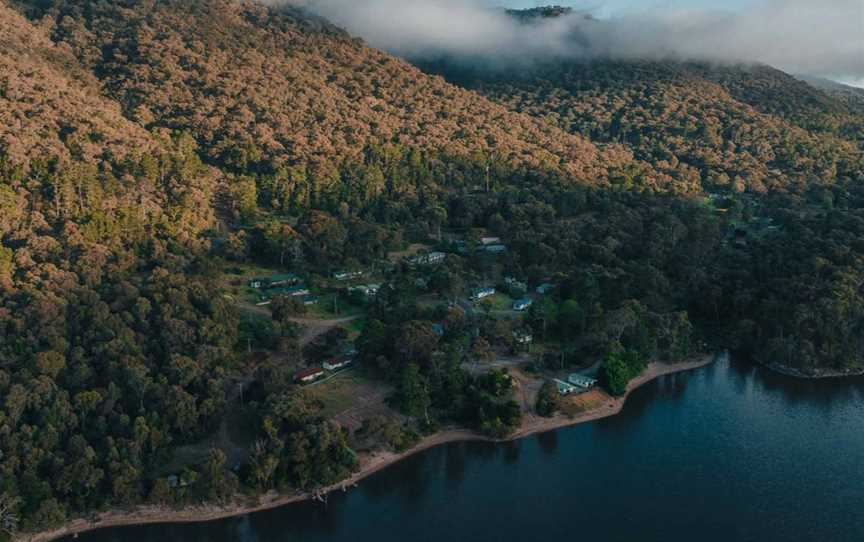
(810, 37)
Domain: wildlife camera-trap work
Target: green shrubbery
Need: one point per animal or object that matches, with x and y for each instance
(548, 400)
(619, 368)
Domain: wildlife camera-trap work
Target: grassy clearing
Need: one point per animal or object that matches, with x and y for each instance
(355, 328)
(342, 392)
(326, 307)
(498, 302)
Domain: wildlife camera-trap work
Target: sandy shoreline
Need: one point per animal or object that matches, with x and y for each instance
(369, 465)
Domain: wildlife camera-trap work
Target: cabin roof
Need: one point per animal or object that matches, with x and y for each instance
(311, 371)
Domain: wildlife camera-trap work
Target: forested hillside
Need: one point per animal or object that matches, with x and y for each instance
(265, 89)
(714, 128)
(148, 149)
(773, 149)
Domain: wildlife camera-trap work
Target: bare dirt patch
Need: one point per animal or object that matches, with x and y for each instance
(577, 404)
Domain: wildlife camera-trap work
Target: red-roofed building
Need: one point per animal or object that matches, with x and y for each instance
(309, 375)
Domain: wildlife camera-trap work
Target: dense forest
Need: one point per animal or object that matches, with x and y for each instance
(147, 146)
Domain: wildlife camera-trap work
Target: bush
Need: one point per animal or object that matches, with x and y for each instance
(548, 400)
(619, 368)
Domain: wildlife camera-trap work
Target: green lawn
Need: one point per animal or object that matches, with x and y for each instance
(355, 328)
(324, 309)
(340, 393)
(499, 302)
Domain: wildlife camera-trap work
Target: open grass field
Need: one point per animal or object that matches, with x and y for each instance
(351, 397)
(327, 308)
(498, 302)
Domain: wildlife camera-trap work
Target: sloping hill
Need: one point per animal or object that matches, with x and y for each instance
(279, 87)
(50, 106)
(739, 128)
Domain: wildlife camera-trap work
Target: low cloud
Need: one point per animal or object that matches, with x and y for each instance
(819, 37)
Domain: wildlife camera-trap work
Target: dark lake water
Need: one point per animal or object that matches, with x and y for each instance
(726, 453)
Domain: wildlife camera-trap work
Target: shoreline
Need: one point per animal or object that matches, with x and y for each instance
(531, 425)
(823, 375)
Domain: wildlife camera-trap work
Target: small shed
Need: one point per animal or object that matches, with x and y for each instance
(545, 288)
(339, 362)
(481, 293)
(495, 249)
(523, 337)
(347, 275)
(522, 304)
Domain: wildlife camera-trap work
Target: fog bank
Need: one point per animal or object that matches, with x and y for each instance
(819, 37)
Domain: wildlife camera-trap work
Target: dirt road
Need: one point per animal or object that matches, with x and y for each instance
(312, 327)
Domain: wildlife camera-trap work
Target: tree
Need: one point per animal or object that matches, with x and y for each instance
(160, 492)
(262, 465)
(417, 340)
(283, 308)
(8, 515)
(619, 368)
(548, 399)
(245, 194)
(481, 350)
(570, 318)
(50, 363)
(215, 482)
(414, 392)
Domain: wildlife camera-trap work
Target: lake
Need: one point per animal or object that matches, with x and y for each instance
(729, 452)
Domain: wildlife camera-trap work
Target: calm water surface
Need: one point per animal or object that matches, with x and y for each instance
(725, 453)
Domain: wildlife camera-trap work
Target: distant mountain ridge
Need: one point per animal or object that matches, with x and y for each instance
(851, 96)
(544, 12)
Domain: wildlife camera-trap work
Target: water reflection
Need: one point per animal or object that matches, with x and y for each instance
(409, 481)
(826, 395)
(548, 442)
(483, 451)
(512, 451)
(454, 469)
